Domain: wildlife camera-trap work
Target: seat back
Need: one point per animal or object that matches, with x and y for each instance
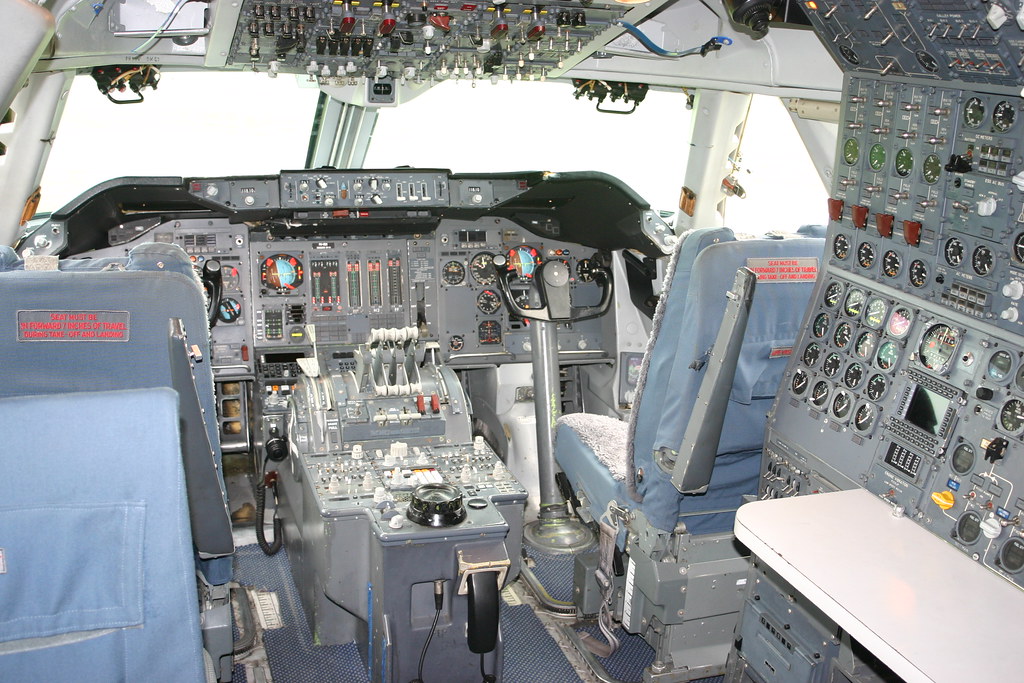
(685, 328)
(105, 324)
(97, 579)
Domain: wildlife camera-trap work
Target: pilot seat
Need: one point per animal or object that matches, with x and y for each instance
(669, 567)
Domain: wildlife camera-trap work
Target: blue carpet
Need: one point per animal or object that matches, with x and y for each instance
(554, 573)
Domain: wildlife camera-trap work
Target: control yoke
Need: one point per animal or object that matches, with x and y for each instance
(551, 283)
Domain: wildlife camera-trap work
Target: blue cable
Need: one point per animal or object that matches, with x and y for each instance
(715, 43)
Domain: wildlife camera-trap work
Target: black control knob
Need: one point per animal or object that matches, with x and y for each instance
(436, 505)
(984, 393)
(277, 445)
(958, 163)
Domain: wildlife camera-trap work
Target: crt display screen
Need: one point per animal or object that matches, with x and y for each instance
(926, 410)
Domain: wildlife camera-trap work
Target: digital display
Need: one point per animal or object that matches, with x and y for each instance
(926, 410)
(903, 459)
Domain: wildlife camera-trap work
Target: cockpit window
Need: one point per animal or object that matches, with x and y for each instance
(193, 124)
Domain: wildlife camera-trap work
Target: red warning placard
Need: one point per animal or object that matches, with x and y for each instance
(104, 326)
(784, 269)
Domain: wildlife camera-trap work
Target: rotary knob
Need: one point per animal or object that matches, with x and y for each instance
(436, 505)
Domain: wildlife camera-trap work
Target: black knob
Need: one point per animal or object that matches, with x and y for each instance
(277, 445)
(436, 505)
(984, 393)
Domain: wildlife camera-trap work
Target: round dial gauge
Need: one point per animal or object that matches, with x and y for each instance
(229, 310)
(841, 246)
(524, 260)
(876, 387)
(974, 112)
(843, 334)
(888, 355)
(811, 354)
(864, 418)
(999, 366)
(968, 527)
(876, 157)
(585, 270)
(904, 163)
(1003, 116)
(963, 458)
(1011, 555)
(866, 255)
(819, 394)
(489, 332)
(453, 273)
(854, 375)
(1019, 380)
(938, 346)
(954, 251)
(456, 343)
(820, 325)
(488, 301)
(1018, 247)
(854, 302)
(833, 293)
(480, 268)
(282, 272)
(982, 260)
(918, 273)
(830, 366)
(899, 322)
(892, 264)
(1011, 417)
(931, 169)
(851, 151)
(841, 404)
(865, 345)
(800, 382)
(874, 314)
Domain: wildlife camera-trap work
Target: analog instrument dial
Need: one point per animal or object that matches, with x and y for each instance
(851, 151)
(1011, 555)
(974, 112)
(1011, 417)
(489, 332)
(819, 393)
(1018, 248)
(843, 334)
(819, 328)
(876, 157)
(281, 272)
(938, 346)
(833, 293)
(524, 260)
(954, 251)
(1000, 365)
(1003, 116)
(892, 264)
(865, 345)
(918, 273)
(854, 302)
(982, 260)
(963, 458)
(585, 270)
(874, 314)
(841, 404)
(800, 382)
(876, 387)
(488, 302)
(841, 246)
(904, 163)
(899, 322)
(811, 354)
(830, 366)
(456, 343)
(853, 375)
(931, 169)
(968, 527)
(888, 355)
(229, 310)
(864, 418)
(866, 254)
(453, 273)
(1019, 379)
(481, 270)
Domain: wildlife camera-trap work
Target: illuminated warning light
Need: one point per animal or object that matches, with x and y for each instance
(813, 6)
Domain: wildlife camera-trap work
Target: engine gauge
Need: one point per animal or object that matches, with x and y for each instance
(1011, 417)
(854, 302)
(865, 345)
(800, 382)
(843, 334)
(938, 346)
(1000, 365)
(864, 418)
(811, 354)
(866, 254)
(453, 273)
(876, 157)
(1011, 555)
(281, 272)
(1018, 247)
(918, 273)
(974, 112)
(820, 325)
(982, 260)
(229, 310)
(585, 270)
(892, 264)
(488, 301)
(954, 251)
(456, 343)
(904, 162)
(833, 293)
(963, 458)
(830, 366)
(851, 151)
(899, 322)
(874, 314)
(968, 527)
(524, 260)
(841, 246)
(819, 394)
(876, 387)
(888, 355)
(841, 404)
(931, 169)
(853, 375)
(489, 332)
(480, 268)
(1003, 116)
